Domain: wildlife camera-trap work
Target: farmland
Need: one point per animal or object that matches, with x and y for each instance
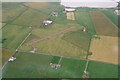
(103, 25)
(13, 39)
(67, 41)
(105, 49)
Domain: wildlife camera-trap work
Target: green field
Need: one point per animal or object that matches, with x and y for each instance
(79, 38)
(14, 35)
(112, 16)
(10, 11)
(38, 66)
(102, 70)
(85, 20)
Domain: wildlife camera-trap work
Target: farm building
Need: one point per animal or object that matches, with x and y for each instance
(54, 14)
(117, 12)
(47, 22)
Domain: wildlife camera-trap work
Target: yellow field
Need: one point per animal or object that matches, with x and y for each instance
(105, 49)
(70, 16)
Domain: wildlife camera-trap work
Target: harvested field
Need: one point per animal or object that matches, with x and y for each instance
(70, 16)
(37, 4)
(105, 49)
(103, 25)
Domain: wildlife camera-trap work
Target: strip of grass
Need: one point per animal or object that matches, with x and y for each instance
(14, 35)
(84, 19)
(102, 70)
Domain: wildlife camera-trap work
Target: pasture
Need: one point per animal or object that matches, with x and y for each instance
(105, 49)
(85, 20)
(103, 25)
(78, 38)
(38, 66)
(14, 35)
(10, 11)
(112, 16)
(102, 70)
(34, 19)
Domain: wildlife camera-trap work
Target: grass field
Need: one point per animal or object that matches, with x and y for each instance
(34, 18)
(55, 60)
(112, 16)
(78, 38)
(103, 25)
(84, 19)
(38, 66)
(45, 7)
(14, 35)
(105, 49)
(102, 70)
(11, 10)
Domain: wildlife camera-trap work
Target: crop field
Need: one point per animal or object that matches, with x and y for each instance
(102, 70)
(11, 10)
(105, 49)
(70, 16)
(14, 35)
(85, 20)
(103, 25)
(38, 65)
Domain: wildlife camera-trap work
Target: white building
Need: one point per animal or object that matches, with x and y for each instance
(69, 9)
(47, 22)
(117, 12)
